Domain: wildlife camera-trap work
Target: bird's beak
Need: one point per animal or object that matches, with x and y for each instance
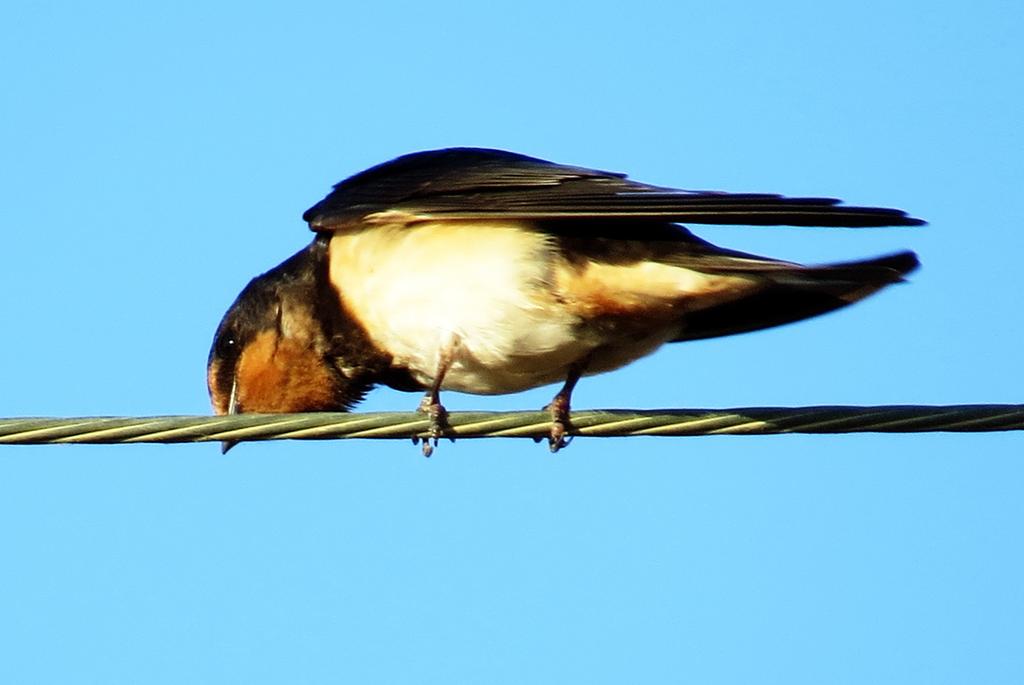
(232, 409)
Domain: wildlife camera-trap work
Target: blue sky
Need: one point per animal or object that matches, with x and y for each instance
(157, 156)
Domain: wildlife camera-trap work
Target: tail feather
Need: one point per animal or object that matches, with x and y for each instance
(798, 293)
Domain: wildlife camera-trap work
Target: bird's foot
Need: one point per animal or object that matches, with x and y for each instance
(560, 423)
(439, 425)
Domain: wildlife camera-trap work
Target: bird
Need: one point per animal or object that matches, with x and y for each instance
(489, 272)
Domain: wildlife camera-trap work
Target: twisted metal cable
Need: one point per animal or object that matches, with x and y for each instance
(536, 425)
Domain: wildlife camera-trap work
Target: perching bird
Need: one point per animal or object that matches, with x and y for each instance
(490, 272)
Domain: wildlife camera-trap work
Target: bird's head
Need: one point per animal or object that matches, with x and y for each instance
(271, 352)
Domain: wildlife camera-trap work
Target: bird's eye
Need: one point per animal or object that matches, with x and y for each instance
(227, 346)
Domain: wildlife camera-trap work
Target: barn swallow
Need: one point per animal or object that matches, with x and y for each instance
(490, 272)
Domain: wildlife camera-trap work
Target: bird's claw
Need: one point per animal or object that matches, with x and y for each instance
(438, 426)
(557, 439)
(560, 423)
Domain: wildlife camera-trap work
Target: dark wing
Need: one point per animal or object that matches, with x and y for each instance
(473, 183)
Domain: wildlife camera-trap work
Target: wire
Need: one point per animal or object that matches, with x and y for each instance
(536, 425)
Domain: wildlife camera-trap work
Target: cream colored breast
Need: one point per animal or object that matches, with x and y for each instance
(418, 288)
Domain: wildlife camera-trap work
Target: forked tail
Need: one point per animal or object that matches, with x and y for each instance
(799, 293)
